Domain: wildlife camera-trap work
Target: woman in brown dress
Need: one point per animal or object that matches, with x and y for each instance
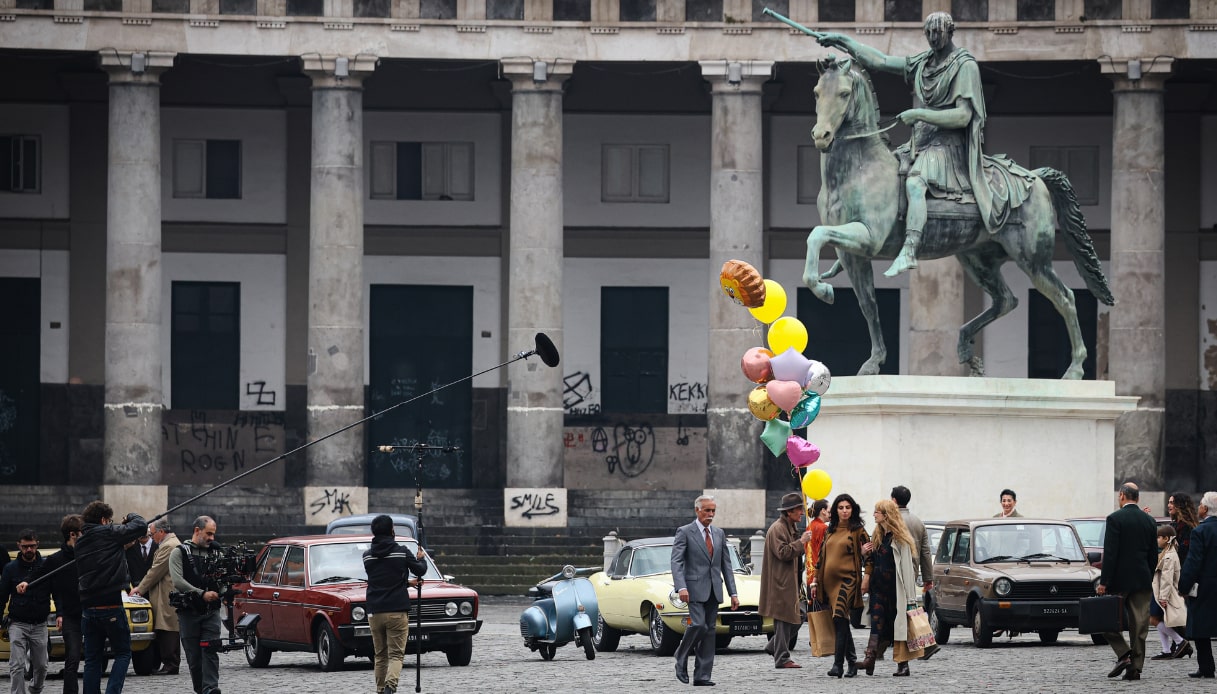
(839, 577)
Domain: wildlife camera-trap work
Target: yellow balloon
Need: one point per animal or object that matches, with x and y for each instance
(787, 332)
(775, 303)
(816, 484)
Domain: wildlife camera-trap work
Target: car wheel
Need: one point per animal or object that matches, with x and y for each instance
(1098, 639)
(722, 641)
(606, 637)
(982, 633)
(256, 654)
(461, 654)
(145, 662)
(547, 651)
(1049, 635)
(663, 640)
(330, 652)
(585, 639)
(942, 630)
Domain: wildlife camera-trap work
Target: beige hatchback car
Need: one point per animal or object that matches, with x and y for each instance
(1016, 575)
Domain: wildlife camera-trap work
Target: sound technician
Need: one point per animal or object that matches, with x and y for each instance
(198, 613)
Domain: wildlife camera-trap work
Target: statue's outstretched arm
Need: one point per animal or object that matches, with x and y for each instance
(870, 58)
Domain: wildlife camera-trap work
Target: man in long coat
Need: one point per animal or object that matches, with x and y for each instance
(780, 578)
(1200, 570)
(1130, 555)
(157, 584)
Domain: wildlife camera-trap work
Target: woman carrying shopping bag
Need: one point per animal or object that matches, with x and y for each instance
(892, 583)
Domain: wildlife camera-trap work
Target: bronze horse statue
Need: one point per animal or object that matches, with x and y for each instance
(860, 206)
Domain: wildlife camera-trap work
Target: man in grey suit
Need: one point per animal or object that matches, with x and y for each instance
(700, 566)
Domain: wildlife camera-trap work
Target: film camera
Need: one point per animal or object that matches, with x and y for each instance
(220, 568)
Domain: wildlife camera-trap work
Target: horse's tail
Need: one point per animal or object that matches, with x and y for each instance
(1070, 220)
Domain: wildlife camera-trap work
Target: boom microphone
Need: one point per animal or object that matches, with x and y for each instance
(546, 350)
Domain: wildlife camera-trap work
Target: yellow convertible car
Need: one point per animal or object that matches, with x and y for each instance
(636, 597)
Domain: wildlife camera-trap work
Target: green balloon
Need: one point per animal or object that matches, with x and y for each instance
(775, 435)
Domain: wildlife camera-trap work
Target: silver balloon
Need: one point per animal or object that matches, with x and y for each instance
(818, 378)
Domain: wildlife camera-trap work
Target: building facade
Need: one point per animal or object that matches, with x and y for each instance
(229, 228)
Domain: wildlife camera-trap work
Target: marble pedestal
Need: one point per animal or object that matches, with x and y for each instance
(957, 442)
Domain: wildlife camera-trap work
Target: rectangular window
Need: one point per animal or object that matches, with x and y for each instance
(634, 349)
(245, 7)
(421, 171)
(844, 348)
(572, 10)
(809, 180)
(305, 8)
(22, 170)
(1080, 164)
(634, 173)
(1049, 351)
(1170, 9)
(837, 10)
(703, 10)
(637, 10)
(207, 169)
(970, 10)
(782, 7)
(371, 8)
(902, 11)
(1036, 10)
(1103, 9)
(171, 6)
(103, 5)
(205, 345)
(437, 9)
(35, 4)
(945, 546)
(963, 543)
(504, 9)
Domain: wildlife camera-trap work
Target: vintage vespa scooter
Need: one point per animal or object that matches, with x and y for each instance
(564, 610)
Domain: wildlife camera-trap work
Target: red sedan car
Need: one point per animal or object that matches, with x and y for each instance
(309, 592)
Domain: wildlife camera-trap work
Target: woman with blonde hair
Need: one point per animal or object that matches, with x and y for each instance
(1168, 610)
(891, 581)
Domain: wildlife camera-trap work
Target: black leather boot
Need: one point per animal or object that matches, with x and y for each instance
(836, 670)
(902, 670)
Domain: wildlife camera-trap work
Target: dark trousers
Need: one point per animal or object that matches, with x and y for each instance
(73, 649)
(844, 650)
(1136, 610)
(204, 662)
(699, 640)
(169, 647)
(1204, 655)
(779, 643)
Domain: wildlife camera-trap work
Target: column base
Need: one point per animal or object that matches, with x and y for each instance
(739, 508)
(145, 499)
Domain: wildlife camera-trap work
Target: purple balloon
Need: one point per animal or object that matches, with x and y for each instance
(790, 366)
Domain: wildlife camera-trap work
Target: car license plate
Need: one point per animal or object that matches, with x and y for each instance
(413, 636)
(745, 627)
(1056, 611)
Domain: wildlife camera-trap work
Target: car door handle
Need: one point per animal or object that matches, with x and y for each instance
(946, 571)
(275, 595)
(249, 592)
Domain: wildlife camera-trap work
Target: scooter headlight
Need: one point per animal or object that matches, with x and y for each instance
(568, 572)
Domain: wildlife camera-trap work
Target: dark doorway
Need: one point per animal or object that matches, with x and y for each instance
(634, 349)
(421, 337)
(837, 334)
(1048, 348)
(19, 374)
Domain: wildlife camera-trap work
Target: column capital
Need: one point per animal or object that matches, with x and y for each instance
(536, 74)
(1137, 74)
(736, 76)
(338, 71)
(135, 66)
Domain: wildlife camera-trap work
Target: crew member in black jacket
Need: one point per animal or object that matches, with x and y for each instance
(64, 588)
(388, 566)
(102, 565)
(27, 613)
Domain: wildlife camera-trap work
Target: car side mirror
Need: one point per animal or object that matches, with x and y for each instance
(1094, 556)
(450, 578)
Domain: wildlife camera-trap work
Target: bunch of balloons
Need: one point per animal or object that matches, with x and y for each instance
(789, 382)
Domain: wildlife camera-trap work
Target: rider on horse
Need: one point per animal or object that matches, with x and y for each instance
(944, 157)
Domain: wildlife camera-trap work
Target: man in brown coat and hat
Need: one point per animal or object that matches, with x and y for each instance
(156, 585)
(780, 578)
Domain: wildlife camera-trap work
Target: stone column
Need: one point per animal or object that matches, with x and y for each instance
(335, 390)
(1138, 229)
(133, 398)
(936, 290)
(534, 391)
(735, 463)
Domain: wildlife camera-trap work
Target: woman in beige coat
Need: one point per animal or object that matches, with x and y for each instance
(892, 584)
(1168, 610)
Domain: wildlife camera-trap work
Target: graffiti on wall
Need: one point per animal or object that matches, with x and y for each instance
(687, 398)
(209, 446)
(576, 389)
(262, 396)
(540, 507)
(324, 504)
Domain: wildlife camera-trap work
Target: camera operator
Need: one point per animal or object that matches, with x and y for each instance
(101, 563)
(199, 617)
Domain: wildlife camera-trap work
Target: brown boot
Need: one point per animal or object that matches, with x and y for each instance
(872, 649)
(902, 670)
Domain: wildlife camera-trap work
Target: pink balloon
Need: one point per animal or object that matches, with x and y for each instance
(756, 365)
(802, 452)
(785, 394)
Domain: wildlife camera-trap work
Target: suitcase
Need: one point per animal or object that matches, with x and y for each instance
(1100, 614)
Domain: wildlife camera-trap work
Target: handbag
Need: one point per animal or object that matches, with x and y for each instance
(920, 635)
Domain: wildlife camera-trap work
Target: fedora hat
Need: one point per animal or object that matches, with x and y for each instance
(791, 500)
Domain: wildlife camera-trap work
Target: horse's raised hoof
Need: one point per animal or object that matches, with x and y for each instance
(823, 292)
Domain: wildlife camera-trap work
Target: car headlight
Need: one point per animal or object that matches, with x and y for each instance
(1096, 586)
(141, 616)
(674, 599)
(451, 609)
(358, 614)
(52, 620)
(466, 608)
(1003, 586)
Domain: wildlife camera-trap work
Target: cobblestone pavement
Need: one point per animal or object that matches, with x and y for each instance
(501, 663)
